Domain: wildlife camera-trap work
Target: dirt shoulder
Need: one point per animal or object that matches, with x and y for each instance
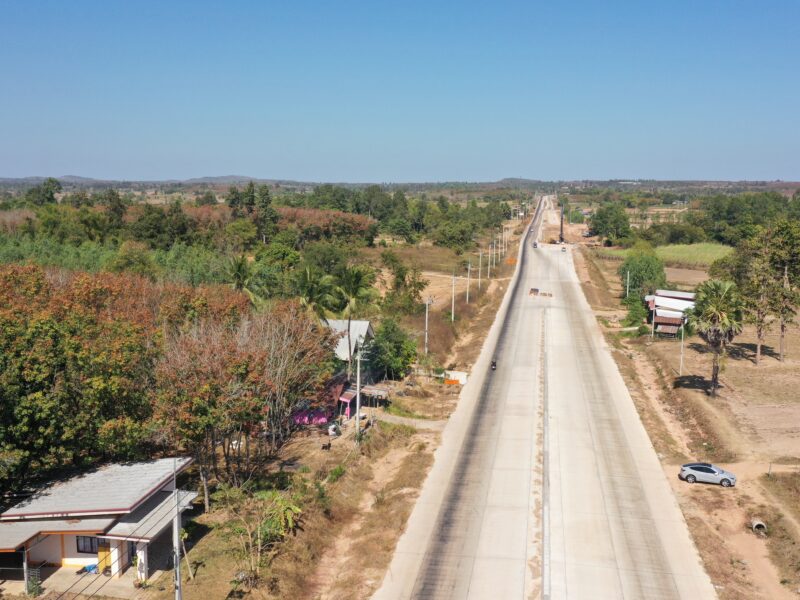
(750, 429)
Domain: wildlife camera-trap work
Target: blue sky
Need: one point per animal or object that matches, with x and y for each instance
(401, 91)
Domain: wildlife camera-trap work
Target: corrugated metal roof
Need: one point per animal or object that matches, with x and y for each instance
(670, 314)
(675, 294)
(667, 329)
(668, 321)
(113, 489)
(359, 331)
(670, 303)
(14, 534)
(151, 518)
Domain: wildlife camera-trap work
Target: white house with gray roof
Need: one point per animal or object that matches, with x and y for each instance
(108, 518)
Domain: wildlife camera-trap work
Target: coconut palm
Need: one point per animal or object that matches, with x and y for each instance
(241, 276)
(717, 317)
(354, 287)
(316, 291)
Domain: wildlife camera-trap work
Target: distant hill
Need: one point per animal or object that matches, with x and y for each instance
(221, 180)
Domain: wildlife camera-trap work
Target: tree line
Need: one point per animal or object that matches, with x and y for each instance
(723, 218)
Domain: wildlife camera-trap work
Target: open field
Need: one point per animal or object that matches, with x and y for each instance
(679, 255)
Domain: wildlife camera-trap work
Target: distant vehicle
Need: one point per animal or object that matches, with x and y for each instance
(707, 473)
(563, 248)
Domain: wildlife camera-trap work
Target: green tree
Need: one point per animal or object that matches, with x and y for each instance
(717, 317)
(784, 248)
(116, 207)
(235, 201)
(611, 222)
(249, 197)
(405, 293)
(751, 268)
(266, 217)
(642, 270)
(392, 350)
(241, 277)
(134, 257)
(240, 235)
(315, 290)
(44, 193)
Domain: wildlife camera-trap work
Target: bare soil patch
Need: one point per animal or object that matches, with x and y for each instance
(686, 279)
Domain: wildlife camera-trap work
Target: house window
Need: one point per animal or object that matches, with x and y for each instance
(87, 544)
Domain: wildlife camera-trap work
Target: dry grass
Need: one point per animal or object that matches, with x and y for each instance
(783, 544)
(786, 488)
(594, 281)
(377, 535)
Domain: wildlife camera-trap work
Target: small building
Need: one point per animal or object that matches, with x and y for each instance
(361, 332)
(100, 522)
(668, 309)
(667, 321)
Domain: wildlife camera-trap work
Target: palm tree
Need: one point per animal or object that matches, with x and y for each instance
(355, 289)
(240, 275)
(717, 317)
(316, 291)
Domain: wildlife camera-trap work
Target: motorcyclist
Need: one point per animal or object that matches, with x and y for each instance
(494, 364)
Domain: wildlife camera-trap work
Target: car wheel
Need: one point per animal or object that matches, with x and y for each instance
(725, 483)
(691, 479)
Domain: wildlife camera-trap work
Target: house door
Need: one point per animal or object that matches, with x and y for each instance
(103, 555)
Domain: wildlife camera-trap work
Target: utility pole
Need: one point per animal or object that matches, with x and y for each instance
(653, 324)
(680, 369)
(358, 395)
(480, 268)
(453, 300)
(489, 263)
(428, 303)
(628, 283)
(469, 273)
(176, 533)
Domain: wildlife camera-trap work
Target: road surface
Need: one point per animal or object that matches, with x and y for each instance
(603, 524)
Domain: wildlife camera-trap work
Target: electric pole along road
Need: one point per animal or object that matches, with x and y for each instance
(545, 484)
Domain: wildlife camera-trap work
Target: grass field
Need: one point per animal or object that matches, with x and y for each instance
(680, 255)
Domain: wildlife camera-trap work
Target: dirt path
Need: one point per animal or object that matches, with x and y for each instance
(427, 424)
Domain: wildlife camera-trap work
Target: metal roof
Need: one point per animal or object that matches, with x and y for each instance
(113, 489)
(669, 314)
(359, 331)
(670, 303)
(151, 518)
(14, 534)
(667, 329)
(675, 294)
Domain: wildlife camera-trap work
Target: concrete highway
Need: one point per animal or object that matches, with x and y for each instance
(570, 505)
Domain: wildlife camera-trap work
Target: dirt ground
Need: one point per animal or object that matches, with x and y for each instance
(751, 428)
